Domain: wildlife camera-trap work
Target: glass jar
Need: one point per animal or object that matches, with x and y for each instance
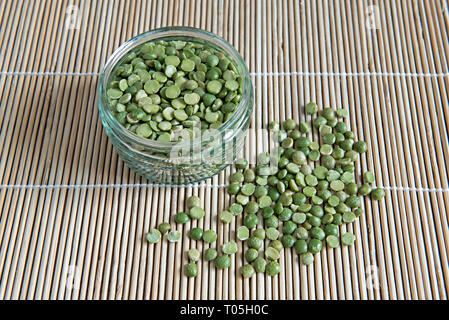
(190, 160)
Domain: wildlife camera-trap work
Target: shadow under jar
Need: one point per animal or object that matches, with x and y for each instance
(192, 159)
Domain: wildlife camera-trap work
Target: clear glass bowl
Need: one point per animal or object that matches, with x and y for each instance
(179, 162)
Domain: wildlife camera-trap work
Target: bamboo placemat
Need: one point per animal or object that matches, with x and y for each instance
(73, 217)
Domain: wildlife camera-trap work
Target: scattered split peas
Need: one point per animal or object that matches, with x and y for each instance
(302, 200)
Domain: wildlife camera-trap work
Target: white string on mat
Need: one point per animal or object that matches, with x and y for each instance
(148, 185)
(417, 189)
(257, 74)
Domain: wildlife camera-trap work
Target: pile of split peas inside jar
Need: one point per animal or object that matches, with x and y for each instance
(167, 90)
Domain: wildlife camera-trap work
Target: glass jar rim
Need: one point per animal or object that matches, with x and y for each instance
(175, 33)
